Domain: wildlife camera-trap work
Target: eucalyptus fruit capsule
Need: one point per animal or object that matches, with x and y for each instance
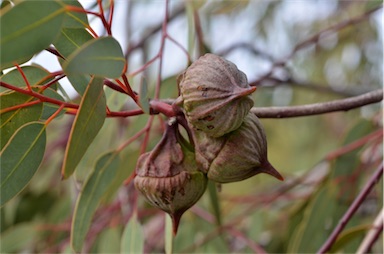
(215, 95)
(236, 156)
(168, 176)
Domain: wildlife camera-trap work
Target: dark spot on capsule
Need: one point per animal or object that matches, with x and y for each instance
(202, 88)
(209, 118)
(204, 94)
(210, 127)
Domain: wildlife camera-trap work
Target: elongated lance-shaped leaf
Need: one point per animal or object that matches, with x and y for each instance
(143, 96)
(20, 159)
(94, 188)
(133, 237)
(27, 28)
(88, 122)
(102, 57)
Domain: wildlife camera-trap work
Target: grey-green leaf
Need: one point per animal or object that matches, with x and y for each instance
(75, 19)
(17, 238)
(88, 122)
(91, 194)
(70, 39)
(133, 237)
(102, 57)
(143, 96)
(13, 120)
(28, 28)
(20, 159)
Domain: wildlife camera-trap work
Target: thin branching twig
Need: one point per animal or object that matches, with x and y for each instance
(352, 209)
(320, 108)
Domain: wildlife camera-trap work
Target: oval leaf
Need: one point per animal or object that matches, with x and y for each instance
(75, 19)
(36, 76)
(28, 28)
(20, 159)
(93, 190)
(71, 39)
(88, 122)
(133, 237)
(102, 57)
(11, 121)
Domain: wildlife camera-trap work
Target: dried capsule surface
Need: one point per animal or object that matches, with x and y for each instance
(215, 95)
(168, 176)
(243, 155)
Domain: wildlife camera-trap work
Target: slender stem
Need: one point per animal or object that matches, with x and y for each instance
(355, 144)
(54, 115)
(111, 12)
(102, 17)
(372, 235)
(320, 108)
(39, 96)
(24, 77)
(18, 106)
(352, 209)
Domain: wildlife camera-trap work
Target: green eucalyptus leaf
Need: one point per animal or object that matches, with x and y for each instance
(36, 76)
(88, 122)
(143, 98)
(350, 235)
(311, 232)
(133, 237)
(75, 18)
(20, 159)
(17, 238)
(109, 240)
(27, 29)
(49, 108)
(102, 57)
(79, 82)
(13, 120)
(91, 194)
(71, 39)
(68, 41)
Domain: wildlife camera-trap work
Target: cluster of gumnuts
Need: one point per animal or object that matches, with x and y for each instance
(226, 142)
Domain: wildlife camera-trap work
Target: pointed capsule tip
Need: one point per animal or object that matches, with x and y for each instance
(270, 170)
(249, 90)
(175, 223)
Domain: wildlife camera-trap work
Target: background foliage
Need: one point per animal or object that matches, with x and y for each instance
(67, 158)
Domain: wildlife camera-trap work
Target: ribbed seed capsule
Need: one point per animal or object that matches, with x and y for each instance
(168, 176)
(237, 155)
(215, 95)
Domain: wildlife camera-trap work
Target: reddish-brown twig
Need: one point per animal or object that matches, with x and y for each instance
(352, 209)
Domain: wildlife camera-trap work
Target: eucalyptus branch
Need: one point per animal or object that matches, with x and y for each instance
(151, 31)
(372, 235)
(319, 108)
(271, 82)
(352, 209)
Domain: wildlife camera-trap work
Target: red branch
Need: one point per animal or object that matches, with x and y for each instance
(352, 209)
(41, 97)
